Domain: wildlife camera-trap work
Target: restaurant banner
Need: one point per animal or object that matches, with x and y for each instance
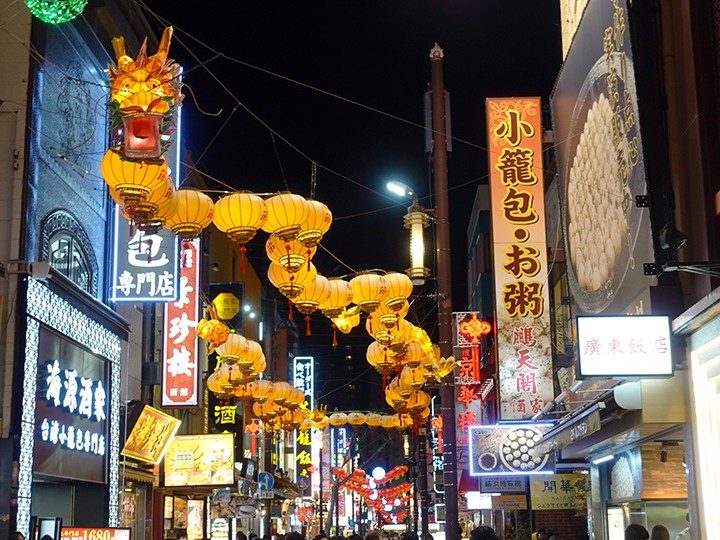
(304, 379)
(200, 460)
(520, 256)
(502, 450)
(559, 492)
(180, 377)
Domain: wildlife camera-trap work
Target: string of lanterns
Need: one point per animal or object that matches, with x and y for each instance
(144, 95)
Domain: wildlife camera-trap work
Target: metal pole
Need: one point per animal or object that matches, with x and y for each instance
(444, 290)
(320, 506)
(267, 466)
(422, 479)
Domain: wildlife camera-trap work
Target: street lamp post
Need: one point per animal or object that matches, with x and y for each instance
(444, 291)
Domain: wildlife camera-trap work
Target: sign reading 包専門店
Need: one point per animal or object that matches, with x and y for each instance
(519, 252)
(180, 362)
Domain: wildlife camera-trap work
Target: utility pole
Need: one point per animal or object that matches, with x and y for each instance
(444, 291)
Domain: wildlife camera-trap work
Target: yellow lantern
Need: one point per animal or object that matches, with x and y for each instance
(388, 317)
(240, 215)
(337, 419)
(413, 377)
(356, 419)
(194, 213)
(234, 348)
(254, 360)
(264, 411)
(399, 290)
(341, 294)
(261, 390)
(286, 213)
(282, 392)
(389, 421)
(378, 357)
(291, 254)
(289, 284)
(379, 333)
(322, 423)
(369, 290)
(132, 181)
(317, 222)
(296, 399)
(417, 402)
(413, 355)
(313, 295)
(373, 420)
(146, 211)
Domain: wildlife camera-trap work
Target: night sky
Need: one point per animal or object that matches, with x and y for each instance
(280, 84)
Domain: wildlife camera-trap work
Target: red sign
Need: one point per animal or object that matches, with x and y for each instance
(93, 533)
(180, 362)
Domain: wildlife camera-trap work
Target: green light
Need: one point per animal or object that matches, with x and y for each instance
(56, 11)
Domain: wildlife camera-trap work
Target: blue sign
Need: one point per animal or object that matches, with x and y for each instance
(266, 481)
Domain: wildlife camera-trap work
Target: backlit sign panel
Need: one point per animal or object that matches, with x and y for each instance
(509, 449)
(150, 436)
(624, 346)
(180, 359)
(520, 260)
(200, 460)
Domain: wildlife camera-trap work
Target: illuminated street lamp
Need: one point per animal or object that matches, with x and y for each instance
(416, 220)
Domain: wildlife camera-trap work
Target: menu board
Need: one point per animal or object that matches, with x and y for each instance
(94, 533)
(508, 450)
(200, 460)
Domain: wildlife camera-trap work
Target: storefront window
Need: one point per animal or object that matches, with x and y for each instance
(68, 258)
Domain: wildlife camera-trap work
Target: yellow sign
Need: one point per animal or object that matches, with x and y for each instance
(227, 305)
(559, 491)
(509, 502)
(200, 460)
(150, 436)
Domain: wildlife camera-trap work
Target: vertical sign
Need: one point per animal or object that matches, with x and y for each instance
(520, 260)
(180, 362)
(304, 379)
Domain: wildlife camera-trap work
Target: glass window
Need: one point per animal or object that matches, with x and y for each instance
(67, 256)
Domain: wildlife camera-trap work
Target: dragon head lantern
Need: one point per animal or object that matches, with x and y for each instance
(144, 93)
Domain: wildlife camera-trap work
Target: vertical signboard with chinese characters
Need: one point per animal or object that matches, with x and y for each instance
(180, 369)
(520, 260)
(304, 379)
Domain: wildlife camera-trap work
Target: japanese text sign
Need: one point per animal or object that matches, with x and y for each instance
(180, 362)
(145, 266)
(559, 492)
(94, 533)
(624, 346)
(71, 410)
(304, 379)
(520, 260)
(503, 484)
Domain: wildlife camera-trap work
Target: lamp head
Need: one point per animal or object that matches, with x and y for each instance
(398, 188)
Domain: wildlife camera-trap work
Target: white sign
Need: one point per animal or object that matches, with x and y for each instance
(624, 346)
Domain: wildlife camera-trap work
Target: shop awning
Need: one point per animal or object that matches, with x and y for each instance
(572, 431)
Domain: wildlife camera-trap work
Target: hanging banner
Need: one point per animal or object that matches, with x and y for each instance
(520, 260)
(180, 361)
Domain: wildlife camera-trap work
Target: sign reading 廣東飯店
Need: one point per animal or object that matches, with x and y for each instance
(519, 249)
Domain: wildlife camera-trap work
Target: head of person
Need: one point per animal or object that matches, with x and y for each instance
(542, 534)
(428, 536)
(659, 532)
(240, 536)
(483, 533)
(372, 535)
(294, 535)
(410, 535)
(17, 535)
(635, 531)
